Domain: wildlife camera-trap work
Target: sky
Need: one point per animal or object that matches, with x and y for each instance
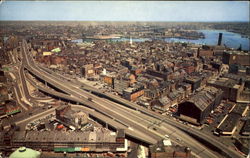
(125, 10)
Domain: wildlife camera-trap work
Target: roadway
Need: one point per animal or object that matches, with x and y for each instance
(98, 114)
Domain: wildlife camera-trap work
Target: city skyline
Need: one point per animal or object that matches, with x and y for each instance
(184, 11)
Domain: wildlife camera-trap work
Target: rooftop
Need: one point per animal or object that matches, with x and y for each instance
(205, 97)
(59, 136)
(230, 122)
(239, 109)
(246, 128)
(225, 82)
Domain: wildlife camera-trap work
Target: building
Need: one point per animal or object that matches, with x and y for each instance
(205, 53)
(162, 75)
(161, 104)
(195, 82)
(47, 53)
(229, 124)
(220, 39)
(108, 79)
(100, 140)
(243, 144)
(132, 94)
(238, 69)
(230, 88)
(120, 85)
(240, 109)
(236, 57)
(198, 106)
(88, 71)
(246, 128)
(161, 151)
(152, 93)
(70, 118)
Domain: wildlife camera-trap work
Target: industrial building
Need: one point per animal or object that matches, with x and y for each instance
(97, 141)
(198, 106)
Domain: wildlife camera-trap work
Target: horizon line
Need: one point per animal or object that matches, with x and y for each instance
(111, 21)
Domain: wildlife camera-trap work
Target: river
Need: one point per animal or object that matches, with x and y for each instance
(230, 39)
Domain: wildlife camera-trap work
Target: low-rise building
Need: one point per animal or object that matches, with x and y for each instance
(236, 57)
(246, 128)
(195, 81)
(230, 87)
(132, 94)
(229, 124)
(71, 118)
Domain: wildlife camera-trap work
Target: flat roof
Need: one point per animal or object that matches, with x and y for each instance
(230, 122)
(59, 136)
(226, 82)
(239, 109)
(193, 78)
(246, 128)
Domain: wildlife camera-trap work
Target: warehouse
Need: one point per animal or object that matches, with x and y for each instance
(198, 107)
(96, 141)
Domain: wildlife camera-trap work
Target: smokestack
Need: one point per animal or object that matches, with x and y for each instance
(219, 39)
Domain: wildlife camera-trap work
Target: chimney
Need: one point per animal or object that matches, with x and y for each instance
(219, 39)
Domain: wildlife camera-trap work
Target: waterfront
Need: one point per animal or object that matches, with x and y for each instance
(230, 39)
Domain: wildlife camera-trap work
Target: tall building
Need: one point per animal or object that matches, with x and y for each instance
(220, 39)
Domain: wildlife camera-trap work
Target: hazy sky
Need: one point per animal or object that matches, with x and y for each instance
(125, 10)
